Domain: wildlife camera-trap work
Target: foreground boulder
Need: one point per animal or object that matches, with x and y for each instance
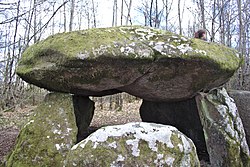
(242, 100)
(183, 115)
(223, 129)
(134, 144)
(47, 138)
(152, 64)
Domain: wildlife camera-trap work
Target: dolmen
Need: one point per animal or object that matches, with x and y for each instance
(187, 114)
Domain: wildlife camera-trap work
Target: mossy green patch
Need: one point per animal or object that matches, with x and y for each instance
(46, 139)
(223, 129)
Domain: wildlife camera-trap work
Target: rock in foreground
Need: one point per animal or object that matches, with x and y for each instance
(47, 138)
(242, 100)
(151, 64)
(223, 128)
(134, 144)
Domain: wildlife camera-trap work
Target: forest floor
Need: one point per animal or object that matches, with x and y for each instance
(11, 122)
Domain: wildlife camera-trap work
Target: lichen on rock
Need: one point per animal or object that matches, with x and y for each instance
(139, 60)
(134, 144)
(47, 138)
(223, 129)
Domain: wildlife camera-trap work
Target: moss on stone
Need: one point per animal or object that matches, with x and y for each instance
(46, 139)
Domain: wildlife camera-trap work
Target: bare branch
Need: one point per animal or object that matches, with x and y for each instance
(46, 24)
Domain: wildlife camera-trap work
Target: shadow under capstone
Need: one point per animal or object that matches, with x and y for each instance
(183, 115)
(84, 111)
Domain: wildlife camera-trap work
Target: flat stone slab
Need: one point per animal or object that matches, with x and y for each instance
(152, 64)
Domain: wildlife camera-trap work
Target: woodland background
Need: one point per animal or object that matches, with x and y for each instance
(25, 22)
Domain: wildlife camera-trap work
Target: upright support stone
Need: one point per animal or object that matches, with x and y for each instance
(223, 129)
(84, 111)
(183, 115)
(49, 135)
(242, 100)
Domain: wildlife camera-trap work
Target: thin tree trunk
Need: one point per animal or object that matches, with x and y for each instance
(156, 13)
(53, 20)
(202, 5)
(129, 16)
(240, 25)
(93, 10)
(122, 11)
(14, 45)
(34, 22)
(65, 17)
(72, 10)
(151, 13)
(114, 21)
(166, 14)
(179, 17)
(213, 22)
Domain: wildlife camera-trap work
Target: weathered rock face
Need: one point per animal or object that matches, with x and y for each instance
(134, 144)
(47, 138)
(223, 129)
(242, 100)
(183, 115)
(151, 64)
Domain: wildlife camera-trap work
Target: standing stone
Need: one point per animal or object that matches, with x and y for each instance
(47, 138)
(242, 100)
(183, 115)
(223, 129)
(136, 144)
(84, 111)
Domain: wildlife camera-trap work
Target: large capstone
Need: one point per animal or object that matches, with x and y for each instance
(49, 135)
(134, 144)
(223, 129)
(152, 64)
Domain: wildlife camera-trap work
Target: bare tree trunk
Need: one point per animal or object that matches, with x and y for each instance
(222, 23)
(129, 16)
(14, 45)
(28, 27)
(34, 21)
(65, 17)
(72, 10)
(240, 25)
(114, 21)
(122, 11)
(202, 5)
(179, 17)
(53, 20)
(151, 13)
(156, 13)
(213, 22)
(166, 14)
(167, 11)
(93, 10)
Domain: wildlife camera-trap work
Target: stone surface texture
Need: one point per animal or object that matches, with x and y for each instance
(223, 129)
(47, 138)
(152, 64)
(134, 144)
(242, 100)
(183, 115)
